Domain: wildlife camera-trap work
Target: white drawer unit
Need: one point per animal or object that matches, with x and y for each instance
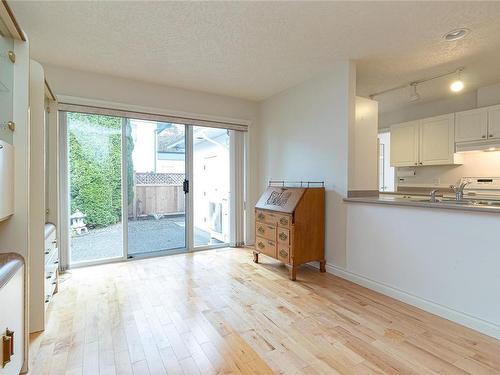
(11, 314)
(51, 263)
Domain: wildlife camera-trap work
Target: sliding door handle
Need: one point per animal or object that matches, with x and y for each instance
(185, 186)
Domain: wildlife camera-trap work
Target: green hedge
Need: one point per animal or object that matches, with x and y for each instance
(95, 167)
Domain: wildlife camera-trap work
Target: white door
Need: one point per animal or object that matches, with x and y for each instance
(494, 122)
(437, 140)
(471, 125)
(404, 144)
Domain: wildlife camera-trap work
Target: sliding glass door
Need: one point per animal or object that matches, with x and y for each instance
(156, 175)
(139, 187)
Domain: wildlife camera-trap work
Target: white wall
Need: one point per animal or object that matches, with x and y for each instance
(482, 97)
(488, 95)
(37, 198)
(69, 82)
(304, 136)
(443, 261)
(363, 147)
(476, 164)
(417, 111)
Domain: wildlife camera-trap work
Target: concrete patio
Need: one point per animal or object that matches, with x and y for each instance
(144, 236)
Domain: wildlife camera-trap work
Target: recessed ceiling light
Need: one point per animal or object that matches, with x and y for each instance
(456, 34)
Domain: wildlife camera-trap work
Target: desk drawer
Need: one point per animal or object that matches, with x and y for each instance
(284, 221)
(266, 217)
(284, 253)
(283, 236)
(265, 230)
(265, 246)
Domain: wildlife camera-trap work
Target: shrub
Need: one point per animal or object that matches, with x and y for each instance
(95, 167)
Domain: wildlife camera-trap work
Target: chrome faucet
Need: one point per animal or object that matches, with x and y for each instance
(459, 190)
(433, 195)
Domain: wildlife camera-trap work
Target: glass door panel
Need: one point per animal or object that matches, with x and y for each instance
(156, 172)
(211, 187)
(95, 187)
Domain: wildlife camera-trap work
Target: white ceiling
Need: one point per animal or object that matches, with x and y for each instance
(253, 50)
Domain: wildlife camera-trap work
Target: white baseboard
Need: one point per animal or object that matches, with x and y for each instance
(477, 324)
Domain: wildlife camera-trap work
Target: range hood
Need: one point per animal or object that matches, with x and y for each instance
(487, 145)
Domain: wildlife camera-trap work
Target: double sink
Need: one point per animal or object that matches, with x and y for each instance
(464, 202)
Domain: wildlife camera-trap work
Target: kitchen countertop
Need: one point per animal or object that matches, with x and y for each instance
(423, 202)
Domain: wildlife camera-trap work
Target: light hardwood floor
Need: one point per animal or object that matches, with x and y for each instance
(218, 312)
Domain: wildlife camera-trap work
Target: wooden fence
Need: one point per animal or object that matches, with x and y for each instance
(157, 194)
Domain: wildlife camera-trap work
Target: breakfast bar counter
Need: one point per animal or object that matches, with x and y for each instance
(476, 205)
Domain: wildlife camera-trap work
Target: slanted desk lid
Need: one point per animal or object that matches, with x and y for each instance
(281, 199)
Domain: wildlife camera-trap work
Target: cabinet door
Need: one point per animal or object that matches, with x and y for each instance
(6, 89)
(404, 144)
(437, 140)
(494, 122)
(471, 125)
(11, 316)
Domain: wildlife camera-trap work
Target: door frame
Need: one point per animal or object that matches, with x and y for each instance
(237, 197)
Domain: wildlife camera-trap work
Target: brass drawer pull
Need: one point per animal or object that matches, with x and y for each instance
(283, 236)
(284, 221)
(261, 230)
(260, 216)
(260, 245)
(283, 253)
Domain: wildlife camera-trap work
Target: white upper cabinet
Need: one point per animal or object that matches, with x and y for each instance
(429, 141)
(471, 125)
(494, 122)
(437, 140)
(404, 144)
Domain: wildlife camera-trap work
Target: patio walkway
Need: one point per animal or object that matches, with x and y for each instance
(144, 236)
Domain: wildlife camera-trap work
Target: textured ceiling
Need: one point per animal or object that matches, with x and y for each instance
(253, 50)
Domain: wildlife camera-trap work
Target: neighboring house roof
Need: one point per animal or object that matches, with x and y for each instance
(171, 139)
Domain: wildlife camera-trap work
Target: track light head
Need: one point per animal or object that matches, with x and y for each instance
(414, 96)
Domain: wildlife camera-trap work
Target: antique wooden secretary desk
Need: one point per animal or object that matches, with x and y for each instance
(290, 224)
